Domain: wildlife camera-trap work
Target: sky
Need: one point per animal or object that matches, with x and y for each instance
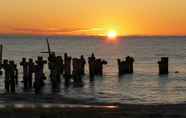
(93, 17)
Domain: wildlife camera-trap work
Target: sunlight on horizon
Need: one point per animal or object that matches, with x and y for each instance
(81, 17)
(112, 35)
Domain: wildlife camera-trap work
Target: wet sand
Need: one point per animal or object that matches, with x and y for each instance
(124, 111)
(55, 106)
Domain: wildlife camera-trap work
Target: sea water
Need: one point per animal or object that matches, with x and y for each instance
(144, 86)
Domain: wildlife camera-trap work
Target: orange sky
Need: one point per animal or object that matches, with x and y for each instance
(93, 17)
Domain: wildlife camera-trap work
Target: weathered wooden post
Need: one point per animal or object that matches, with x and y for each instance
(41, 62)
(24, 63)
(30, 72)
(130, 62)
(67, 69)
(91, 61)
(12, 71)
(39, 74)
(58, 68)
(164, 65)
(82, 65)
(120, 67)
(77, 72)
(99, 66)
(16, 75)
(1, 58)
(125, 67)
(7, 77)
(60, 65)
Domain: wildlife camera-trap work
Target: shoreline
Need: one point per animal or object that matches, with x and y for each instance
(73, 111)
(58, 106)
(53, 98)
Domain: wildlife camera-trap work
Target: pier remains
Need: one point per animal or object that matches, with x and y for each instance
(126, 66)
(163, 65)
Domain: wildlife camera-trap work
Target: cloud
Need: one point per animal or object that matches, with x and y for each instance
(56, 30)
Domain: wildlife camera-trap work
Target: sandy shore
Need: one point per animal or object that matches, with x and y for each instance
(55, 106)
(126, 111)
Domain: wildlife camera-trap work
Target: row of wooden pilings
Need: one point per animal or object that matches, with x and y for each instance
(72, 70)
(126, 66)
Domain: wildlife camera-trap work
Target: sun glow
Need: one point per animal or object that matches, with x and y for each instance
(112, 34)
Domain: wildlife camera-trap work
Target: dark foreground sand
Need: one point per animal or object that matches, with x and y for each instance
(14, 106)
(126, 111)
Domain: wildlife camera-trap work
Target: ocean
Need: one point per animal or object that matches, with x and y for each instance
(145, 86)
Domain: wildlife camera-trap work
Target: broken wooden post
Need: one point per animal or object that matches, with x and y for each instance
(24, 63)
(1, 58)
(12, 71)
(77, 72)
(82, 66)
(91, 61)
(67, 69)
(30, 72)
(99, 66)
(39, 78)
(130, 62)
(5, 66)
(16, 74)
(41, 62)
(125, 67)
(164, 65)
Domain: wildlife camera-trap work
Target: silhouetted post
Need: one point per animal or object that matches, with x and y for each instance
(51, 65)
(56, 79)
(39, 82)
(91, 61)
(77, 72)
(120, 67)
(67, 69)
(1, 58)
(67, 64)
(99, 66)
(16, 75)
(125, 67)
(30, 72)
(7, 78)
(12, 71)
(41, 62)
(60, 67)
(163, 65)
(24, 63)
(130, 62)
(82, 65)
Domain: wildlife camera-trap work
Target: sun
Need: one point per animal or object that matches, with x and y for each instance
(112, 34)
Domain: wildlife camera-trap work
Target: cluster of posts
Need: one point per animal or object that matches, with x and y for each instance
(11, 75)
(126, 66)
(71, 69)
(95, 66)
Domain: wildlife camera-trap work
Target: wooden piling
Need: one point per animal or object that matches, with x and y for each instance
(1, 58)
(125, 67)
(163, 65)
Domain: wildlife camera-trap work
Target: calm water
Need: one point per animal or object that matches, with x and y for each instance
(144, 86)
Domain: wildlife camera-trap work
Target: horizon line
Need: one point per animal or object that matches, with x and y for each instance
(83, 35)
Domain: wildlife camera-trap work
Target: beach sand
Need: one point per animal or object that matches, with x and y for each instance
(55, 106)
